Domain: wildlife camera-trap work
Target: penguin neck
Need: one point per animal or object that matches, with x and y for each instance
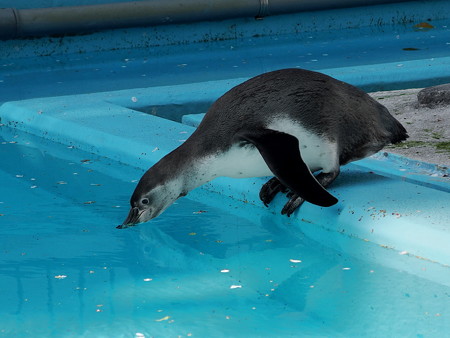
(186, 166)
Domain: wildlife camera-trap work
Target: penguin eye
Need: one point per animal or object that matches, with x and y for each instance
(145, 201)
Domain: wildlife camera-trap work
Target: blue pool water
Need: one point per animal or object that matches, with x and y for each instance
(198, 270)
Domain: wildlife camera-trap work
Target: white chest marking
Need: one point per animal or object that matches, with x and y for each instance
(239, 162)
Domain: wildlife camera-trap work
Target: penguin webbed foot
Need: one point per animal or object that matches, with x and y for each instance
(295, 201)
(274, 186)
(270, 189)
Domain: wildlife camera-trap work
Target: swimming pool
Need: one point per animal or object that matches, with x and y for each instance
(197, 270)
(83, 116)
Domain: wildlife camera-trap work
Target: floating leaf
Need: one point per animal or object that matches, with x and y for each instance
(162, 319)
(423, 26)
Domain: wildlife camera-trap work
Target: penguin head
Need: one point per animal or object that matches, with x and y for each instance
(150, 198)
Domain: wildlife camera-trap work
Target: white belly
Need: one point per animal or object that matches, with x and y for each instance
(241, 162)
(246, 161)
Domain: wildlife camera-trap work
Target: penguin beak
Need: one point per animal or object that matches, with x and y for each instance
(132, 218)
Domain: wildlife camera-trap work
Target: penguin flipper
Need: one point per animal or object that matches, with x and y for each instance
(281, 153)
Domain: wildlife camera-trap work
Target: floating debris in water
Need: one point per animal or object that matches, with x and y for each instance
(33, 187)
(139, 335)
(346, 269)
(95, 184)
(199, 212)
(19, 176)
(423, 26)
(235, 286)
(61, 182)
(403, 253)
(60, 276)
(162, 319)
(148, 279)
(295, 261)
(410, 49)
(89, 202)
(85, 161)
(224, 270)
(134, 99)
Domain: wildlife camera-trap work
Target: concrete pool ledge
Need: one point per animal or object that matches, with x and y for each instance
(384, 200)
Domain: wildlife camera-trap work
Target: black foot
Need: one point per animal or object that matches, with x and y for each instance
(294, 202)
(270, 189)
(274, 186)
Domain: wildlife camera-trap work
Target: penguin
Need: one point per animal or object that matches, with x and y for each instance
(286, 123)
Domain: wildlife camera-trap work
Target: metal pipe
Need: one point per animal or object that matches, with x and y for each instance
(16, 23)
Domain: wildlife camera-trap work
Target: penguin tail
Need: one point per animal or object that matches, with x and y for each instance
(398, 132)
